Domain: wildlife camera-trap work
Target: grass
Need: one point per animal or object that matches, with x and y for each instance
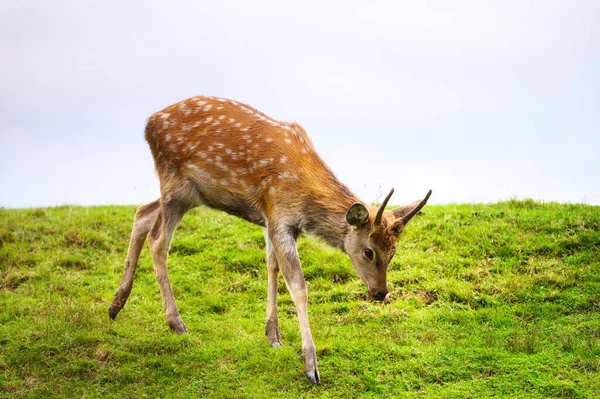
(498, 300)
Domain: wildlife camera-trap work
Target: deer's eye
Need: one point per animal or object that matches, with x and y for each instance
(369, 253)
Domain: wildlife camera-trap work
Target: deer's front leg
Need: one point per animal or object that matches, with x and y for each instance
(272, 323)
(284, 244)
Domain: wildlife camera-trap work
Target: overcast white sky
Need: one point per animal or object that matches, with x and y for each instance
(478, 100)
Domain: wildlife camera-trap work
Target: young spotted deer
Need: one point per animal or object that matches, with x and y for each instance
(229, 156)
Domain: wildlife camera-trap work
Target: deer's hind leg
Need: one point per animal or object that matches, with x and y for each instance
(172, 208)
(272, 323)
(145, 217)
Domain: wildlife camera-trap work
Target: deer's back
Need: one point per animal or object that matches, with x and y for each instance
(241, 160)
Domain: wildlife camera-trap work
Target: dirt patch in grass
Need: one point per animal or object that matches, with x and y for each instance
(11, 282)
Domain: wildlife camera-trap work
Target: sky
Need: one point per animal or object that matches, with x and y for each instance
(480, 101)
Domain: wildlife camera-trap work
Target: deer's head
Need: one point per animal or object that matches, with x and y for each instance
(371, 242)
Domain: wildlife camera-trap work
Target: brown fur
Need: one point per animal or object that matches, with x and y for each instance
(260, 165)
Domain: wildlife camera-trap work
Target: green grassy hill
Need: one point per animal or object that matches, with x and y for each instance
(499, 300)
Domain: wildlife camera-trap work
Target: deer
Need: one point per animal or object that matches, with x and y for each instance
(229, 156)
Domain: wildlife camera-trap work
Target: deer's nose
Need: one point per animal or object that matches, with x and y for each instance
(382, 295)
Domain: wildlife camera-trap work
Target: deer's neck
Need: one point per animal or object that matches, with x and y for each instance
(325, 212)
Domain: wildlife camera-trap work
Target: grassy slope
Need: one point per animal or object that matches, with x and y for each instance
(495, 300)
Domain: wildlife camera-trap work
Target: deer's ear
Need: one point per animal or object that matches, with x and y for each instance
(406, 212)
(358, 215)
(397, 228)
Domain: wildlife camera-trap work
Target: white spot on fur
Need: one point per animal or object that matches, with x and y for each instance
(272, 190)
(164, 115)
(224, 182)
(220, 145)
(168, 137)
(288, 141)
(210, 148)
(209, 106)
(202, 154)
(200, 172)
(238, 124)
(268, 140)
(265, 162)
(283, 159)
(210, 118)
(286, 175)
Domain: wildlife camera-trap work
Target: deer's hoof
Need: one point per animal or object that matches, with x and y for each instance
(313, 376)
(177, 325)
(113, 312)
(272, 332)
